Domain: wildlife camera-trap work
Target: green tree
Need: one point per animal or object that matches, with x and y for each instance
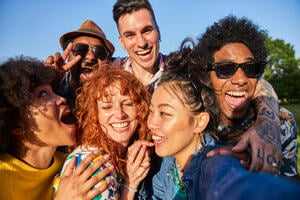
(283, 70)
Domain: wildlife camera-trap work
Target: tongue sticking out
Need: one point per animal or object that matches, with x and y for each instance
(236, 102)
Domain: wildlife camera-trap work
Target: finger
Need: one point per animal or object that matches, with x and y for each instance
(146, 143)
(272, 162)
(57, 57)
(98, 190)
(226, 150)
(243, 156)
(96, 165)
(97, 179)
(71, 63)
(69, 168)
(49, 61)
(133, 151)
(85, 162)
(67, 51)
(245, 164)
(242, 144)
(257, 159)
(140, 155)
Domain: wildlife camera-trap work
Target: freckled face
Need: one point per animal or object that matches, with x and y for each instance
(139, 36)
(233, 94)
(172, 124)
(117, 115)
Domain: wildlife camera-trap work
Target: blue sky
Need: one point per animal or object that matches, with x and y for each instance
(33, 27)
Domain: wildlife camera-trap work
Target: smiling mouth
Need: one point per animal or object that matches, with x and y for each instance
(87, 69)
(236, 93)
(236, 99)
(144, 52)
(158, 140)
(120, 125)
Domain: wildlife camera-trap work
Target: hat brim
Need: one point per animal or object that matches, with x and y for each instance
(71, 35)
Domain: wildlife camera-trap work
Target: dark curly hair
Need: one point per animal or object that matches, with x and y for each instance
(19, 76)
(123, 7)
(231, 30)
(181, 70)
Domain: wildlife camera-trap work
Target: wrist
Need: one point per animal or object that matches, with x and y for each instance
(129, 188)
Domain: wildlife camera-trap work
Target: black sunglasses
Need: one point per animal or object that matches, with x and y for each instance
(226, 70)
(98, 50)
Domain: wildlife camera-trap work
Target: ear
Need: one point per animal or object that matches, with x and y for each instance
(121, 42)
(201, 121)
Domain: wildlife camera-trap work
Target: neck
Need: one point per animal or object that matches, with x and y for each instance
(37, 157)
(144, 74)
(184, 157)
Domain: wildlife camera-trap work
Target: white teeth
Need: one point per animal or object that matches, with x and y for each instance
(143, 52)
(120, 125)
(155, 137)
(89, 67)
(236, 94)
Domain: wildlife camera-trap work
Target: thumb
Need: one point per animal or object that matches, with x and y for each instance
(242, 144)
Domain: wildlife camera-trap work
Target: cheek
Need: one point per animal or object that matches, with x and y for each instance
(131, 112)
(103, 116)
(253, 83)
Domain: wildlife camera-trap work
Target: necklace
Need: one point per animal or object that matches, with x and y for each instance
(180, 188)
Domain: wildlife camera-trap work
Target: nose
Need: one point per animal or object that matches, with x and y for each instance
(152, 122)
(239, 77)
(119, 112)
(90, 55)
(60, 100)
(141, 41)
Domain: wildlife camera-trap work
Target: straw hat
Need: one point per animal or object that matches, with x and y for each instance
(88, 28)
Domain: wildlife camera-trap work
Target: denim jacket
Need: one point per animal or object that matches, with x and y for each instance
(221, 177)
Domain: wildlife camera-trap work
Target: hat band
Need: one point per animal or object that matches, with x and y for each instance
(91, 30)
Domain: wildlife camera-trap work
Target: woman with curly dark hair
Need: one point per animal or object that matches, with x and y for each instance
(112, 110)
(34, 122)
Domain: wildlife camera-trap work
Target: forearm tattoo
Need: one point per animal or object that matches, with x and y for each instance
(268, 132)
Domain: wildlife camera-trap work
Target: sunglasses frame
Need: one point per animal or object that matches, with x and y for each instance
(216, 67)
(94, 50)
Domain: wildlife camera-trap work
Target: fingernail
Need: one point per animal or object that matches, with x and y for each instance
(96, 152)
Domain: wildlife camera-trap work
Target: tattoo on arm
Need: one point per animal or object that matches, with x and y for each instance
(264, 88)
(269, 133)
(266, 101)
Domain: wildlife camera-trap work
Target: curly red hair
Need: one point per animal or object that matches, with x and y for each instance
(89, 131)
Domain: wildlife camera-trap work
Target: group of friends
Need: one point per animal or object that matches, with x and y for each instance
(199, 123)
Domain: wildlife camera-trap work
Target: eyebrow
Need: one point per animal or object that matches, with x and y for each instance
(228, 60)
(144, 29)
(165, 105)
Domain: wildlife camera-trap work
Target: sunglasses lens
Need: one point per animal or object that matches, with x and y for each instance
(253, 70)
(225, 70)
(80, 49)
(100, 52)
